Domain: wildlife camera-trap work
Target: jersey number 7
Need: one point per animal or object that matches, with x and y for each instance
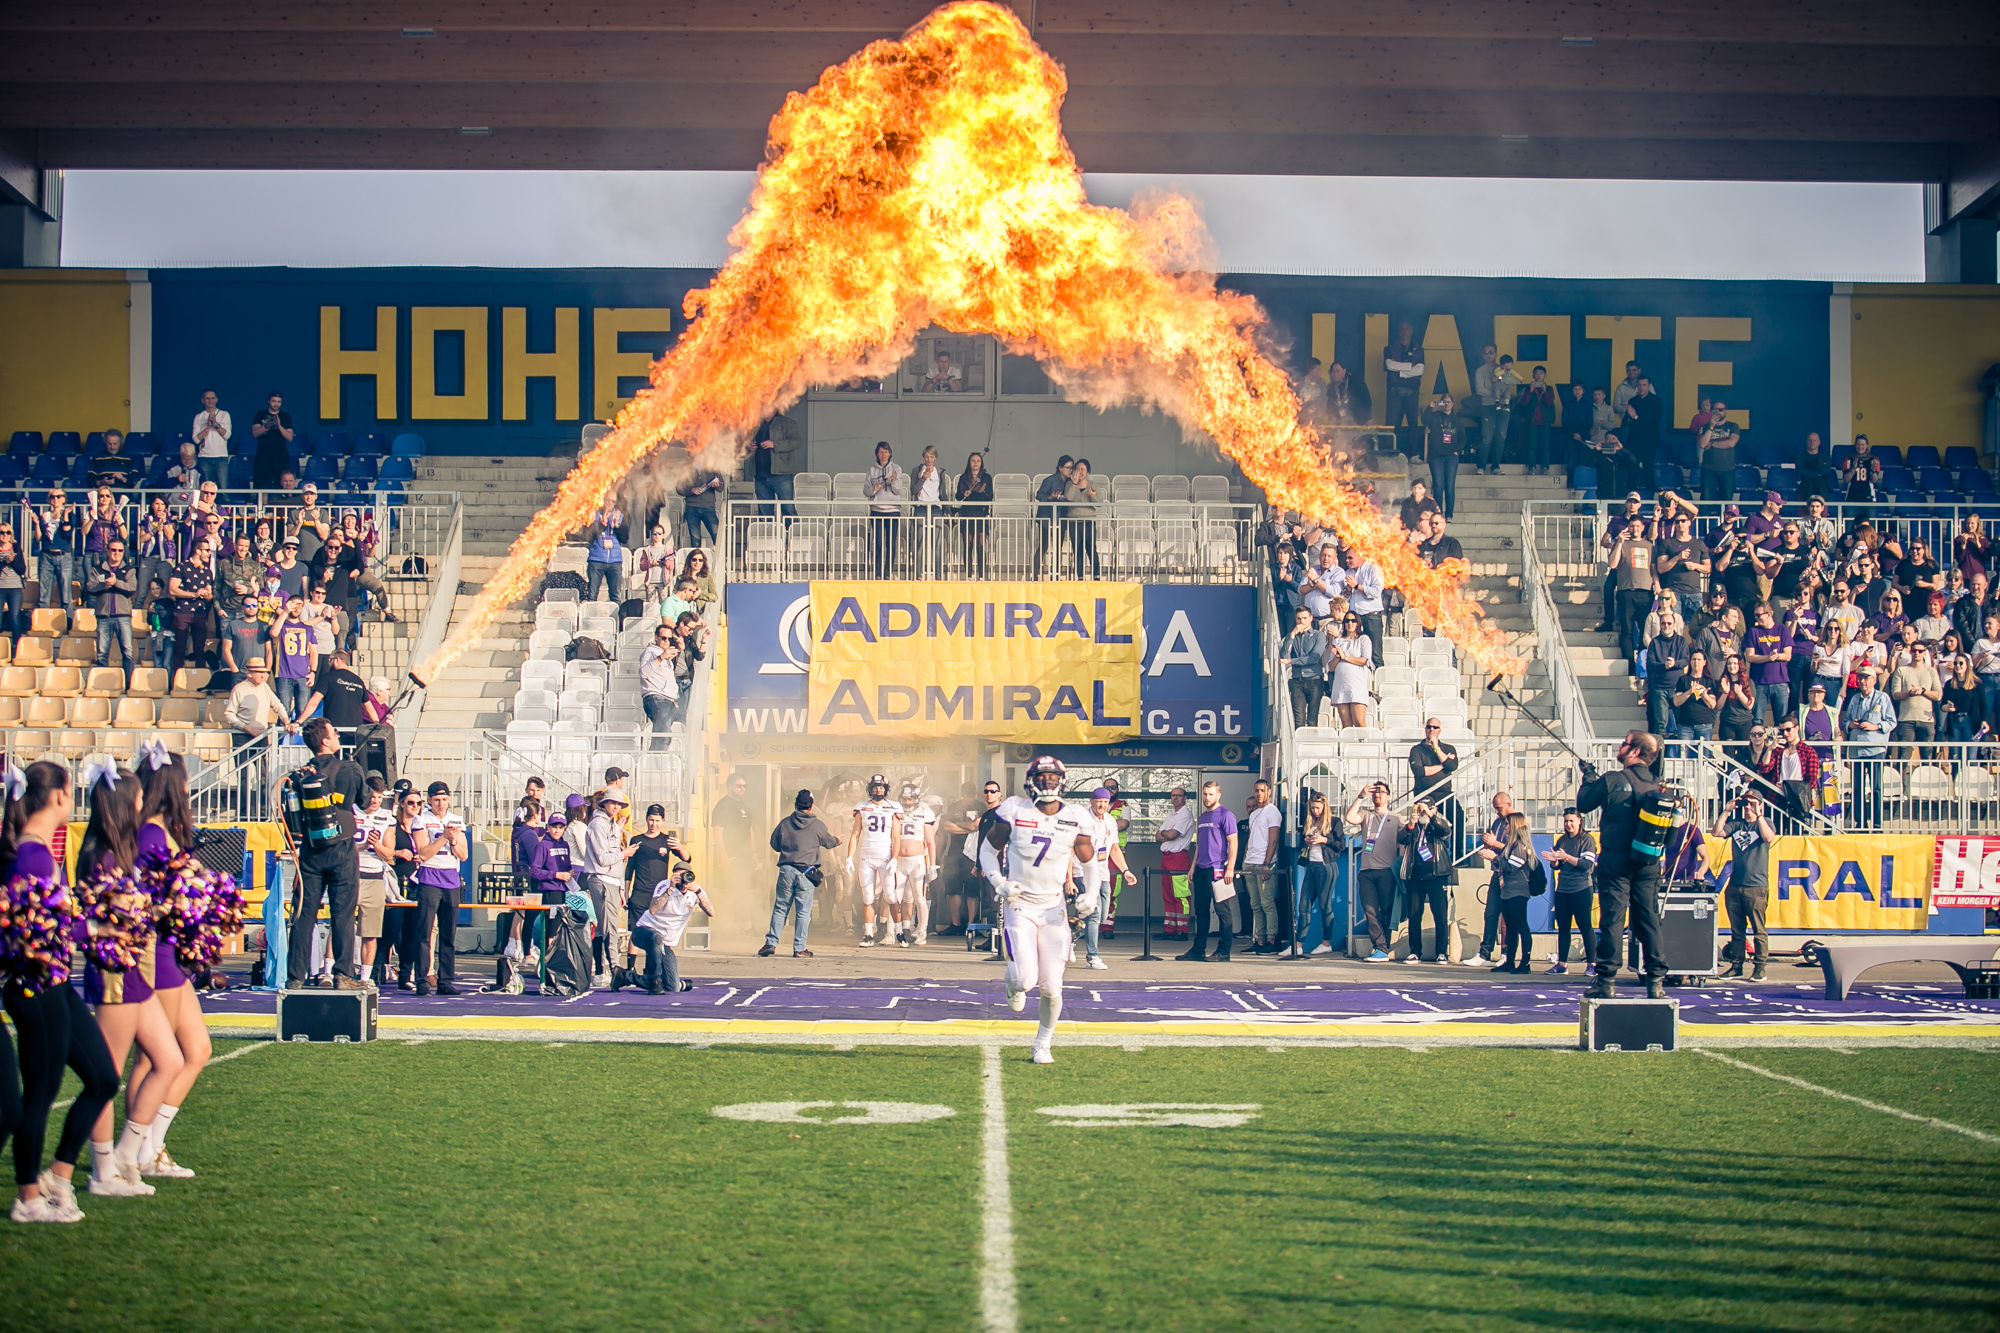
(1043, 843)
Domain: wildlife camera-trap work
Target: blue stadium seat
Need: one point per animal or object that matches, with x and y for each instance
(393, 492)
(1783, 480)
(1583, 479)
(93, 444)
(69, 441)
(1961, 456)
(141, 444)
(237, 499)
(13, 468)
(1768, 452)
(1977, 481)
(1922, 456)
(372, 446)
(1947, 499)
(408, 446)
(360, 468)
(25, 441)
(1666, 476)
(1898, 480)
(1935, 479)
(79, 471)
(322, 468)
(398, 469)
(333, 445)
(300, 446)
(354, 486)
(242, 473)
(1681, 451)
(1841, 453)
(1748, 479)
(156, 471)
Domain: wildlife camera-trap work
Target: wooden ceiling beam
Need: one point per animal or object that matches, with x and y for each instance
(798, 58)
(1174, 154)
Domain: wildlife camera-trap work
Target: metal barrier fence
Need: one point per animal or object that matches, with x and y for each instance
(1550, 643)
(841, 539)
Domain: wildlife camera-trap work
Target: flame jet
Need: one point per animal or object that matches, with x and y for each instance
(927, 181)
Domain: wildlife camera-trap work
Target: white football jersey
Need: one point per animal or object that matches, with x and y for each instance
(1039, 848)
(912, 823)
(878, 829)
(1103, 836)
(382, 821)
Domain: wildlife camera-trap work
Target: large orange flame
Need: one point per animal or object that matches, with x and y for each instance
(926, 181)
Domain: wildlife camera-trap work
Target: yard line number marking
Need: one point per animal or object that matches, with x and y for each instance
(871, 1113)
(1195, 1115)
(1898, 1112)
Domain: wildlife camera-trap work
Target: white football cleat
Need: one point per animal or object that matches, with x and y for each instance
(39, 1209)
(1041, 1054)
(165, 1166)
(867, 941)
(60, 1196)
(1017, 1000)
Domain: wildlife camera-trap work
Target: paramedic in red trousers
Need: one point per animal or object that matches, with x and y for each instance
(1214, 860)
(439, 835)
(1176, 837)
(1624, 876)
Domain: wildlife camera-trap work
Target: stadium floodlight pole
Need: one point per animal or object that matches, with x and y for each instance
(1496, 684)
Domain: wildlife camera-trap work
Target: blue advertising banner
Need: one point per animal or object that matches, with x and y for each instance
(510, 361)
(1198, 680)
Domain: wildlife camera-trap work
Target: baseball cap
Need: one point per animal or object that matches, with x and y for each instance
(439, 789)
(1101, 794)
(1731, 511)
(656, 809)
(1634, 495)
(614, 773)
(1773, 498)
(557, 821)
(1815, 685)
(575, 802)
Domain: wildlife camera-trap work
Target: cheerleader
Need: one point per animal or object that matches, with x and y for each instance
(168, 830)
(127, 1007)
(51, 1023)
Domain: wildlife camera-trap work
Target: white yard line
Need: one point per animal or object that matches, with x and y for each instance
(1898, 1112)
(753, 997)
(996, 1279)
(244, 1049)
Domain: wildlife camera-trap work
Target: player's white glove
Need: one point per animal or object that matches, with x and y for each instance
(1004, 889)
(852, 873)
(1086, 903)
(932, 877)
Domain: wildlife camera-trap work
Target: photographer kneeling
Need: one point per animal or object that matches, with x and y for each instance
(660, 928)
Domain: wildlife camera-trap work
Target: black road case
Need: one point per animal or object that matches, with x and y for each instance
(1628, 1025)
(1689, 924)
(327, 1015)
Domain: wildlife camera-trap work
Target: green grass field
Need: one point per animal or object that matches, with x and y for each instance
(493, 1185)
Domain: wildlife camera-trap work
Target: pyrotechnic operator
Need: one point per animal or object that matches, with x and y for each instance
(1744, 823)
(798, 840)
(321, 798)
(1626, 875)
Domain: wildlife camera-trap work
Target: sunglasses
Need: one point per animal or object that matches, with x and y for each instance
(1432, 726)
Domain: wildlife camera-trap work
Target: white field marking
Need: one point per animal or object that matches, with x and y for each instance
(1240, 1000)
(1406, 996)
(1194, 1115)
(725, 996)
(1274, 1050)
(1095, 998)
(1132, 1049)
(1898, 1112)
(1261, 1000)
(1418, 1050)
(844, 1046)
(753, 996)
(872, 1113)
(574, 998)
(214, 1060)
(556, 1045)
(996, 1270)
(894, 1000)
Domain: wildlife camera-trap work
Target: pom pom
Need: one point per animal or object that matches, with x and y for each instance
(119, 913)
(37, 920)
(196, 908)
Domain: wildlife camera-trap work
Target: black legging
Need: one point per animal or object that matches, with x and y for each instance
(1420, 892)
(55, 1029)
(1573, 908)
(10, 1089)
(1515, 912)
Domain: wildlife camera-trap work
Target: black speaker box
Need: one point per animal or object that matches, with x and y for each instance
(327, 1015)
(1628, 1025)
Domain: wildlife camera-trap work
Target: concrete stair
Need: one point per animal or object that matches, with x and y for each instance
(500, 495)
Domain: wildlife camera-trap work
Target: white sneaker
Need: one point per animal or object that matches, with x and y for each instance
(163, 1165)
(867, 941)
(117, 1187)
(127, 1170)
(1475, 960)
(1098, 965)
(1324, 947)
(60, 1195)
(1041, 1054)
(1017, 1000)
(1412, 958)
(38, 1209)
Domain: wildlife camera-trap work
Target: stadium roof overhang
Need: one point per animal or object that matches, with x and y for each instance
(1794, 90)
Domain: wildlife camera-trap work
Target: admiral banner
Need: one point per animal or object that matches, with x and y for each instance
(1053, 663)
(1856, 882)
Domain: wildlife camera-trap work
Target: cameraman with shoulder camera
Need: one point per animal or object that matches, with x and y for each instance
(1750, 836)
(798, 840)
(1624, 874)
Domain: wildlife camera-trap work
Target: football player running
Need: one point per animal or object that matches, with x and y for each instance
(871, 859)
(1091, 904)
(1044, 835)
(916, 862)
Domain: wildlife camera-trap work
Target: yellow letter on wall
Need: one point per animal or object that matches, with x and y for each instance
(378, 361)
(610, 364)
(1441, 345)
(518, 365)
(1691, 372)
(1625, 333)
(426, 403)
(1507, 331)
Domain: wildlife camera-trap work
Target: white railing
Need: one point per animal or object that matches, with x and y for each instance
(840, 539)
(1550, 643)
(435, 623)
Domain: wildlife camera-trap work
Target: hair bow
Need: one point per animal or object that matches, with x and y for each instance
(98, 768)
(154, 754)
(16, 780)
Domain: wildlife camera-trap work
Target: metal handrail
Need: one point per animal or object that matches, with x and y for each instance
(1550, 642)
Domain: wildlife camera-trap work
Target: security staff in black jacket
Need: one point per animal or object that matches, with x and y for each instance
(329, 867)
(1623, 875)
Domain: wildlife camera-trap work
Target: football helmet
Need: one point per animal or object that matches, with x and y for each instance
(913, 792)
(1045, 778)
(878, 787)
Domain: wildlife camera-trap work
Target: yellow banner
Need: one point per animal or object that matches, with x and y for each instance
(1856, 882)
(1042, 663)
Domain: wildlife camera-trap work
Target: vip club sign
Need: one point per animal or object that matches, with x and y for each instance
(1034, 663)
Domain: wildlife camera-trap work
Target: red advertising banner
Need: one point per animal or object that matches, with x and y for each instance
(1966, 873)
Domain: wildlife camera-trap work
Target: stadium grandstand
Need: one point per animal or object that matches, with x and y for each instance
(649, 711)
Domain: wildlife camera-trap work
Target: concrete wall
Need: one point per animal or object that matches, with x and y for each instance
(1917, 353)
(65, 350)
